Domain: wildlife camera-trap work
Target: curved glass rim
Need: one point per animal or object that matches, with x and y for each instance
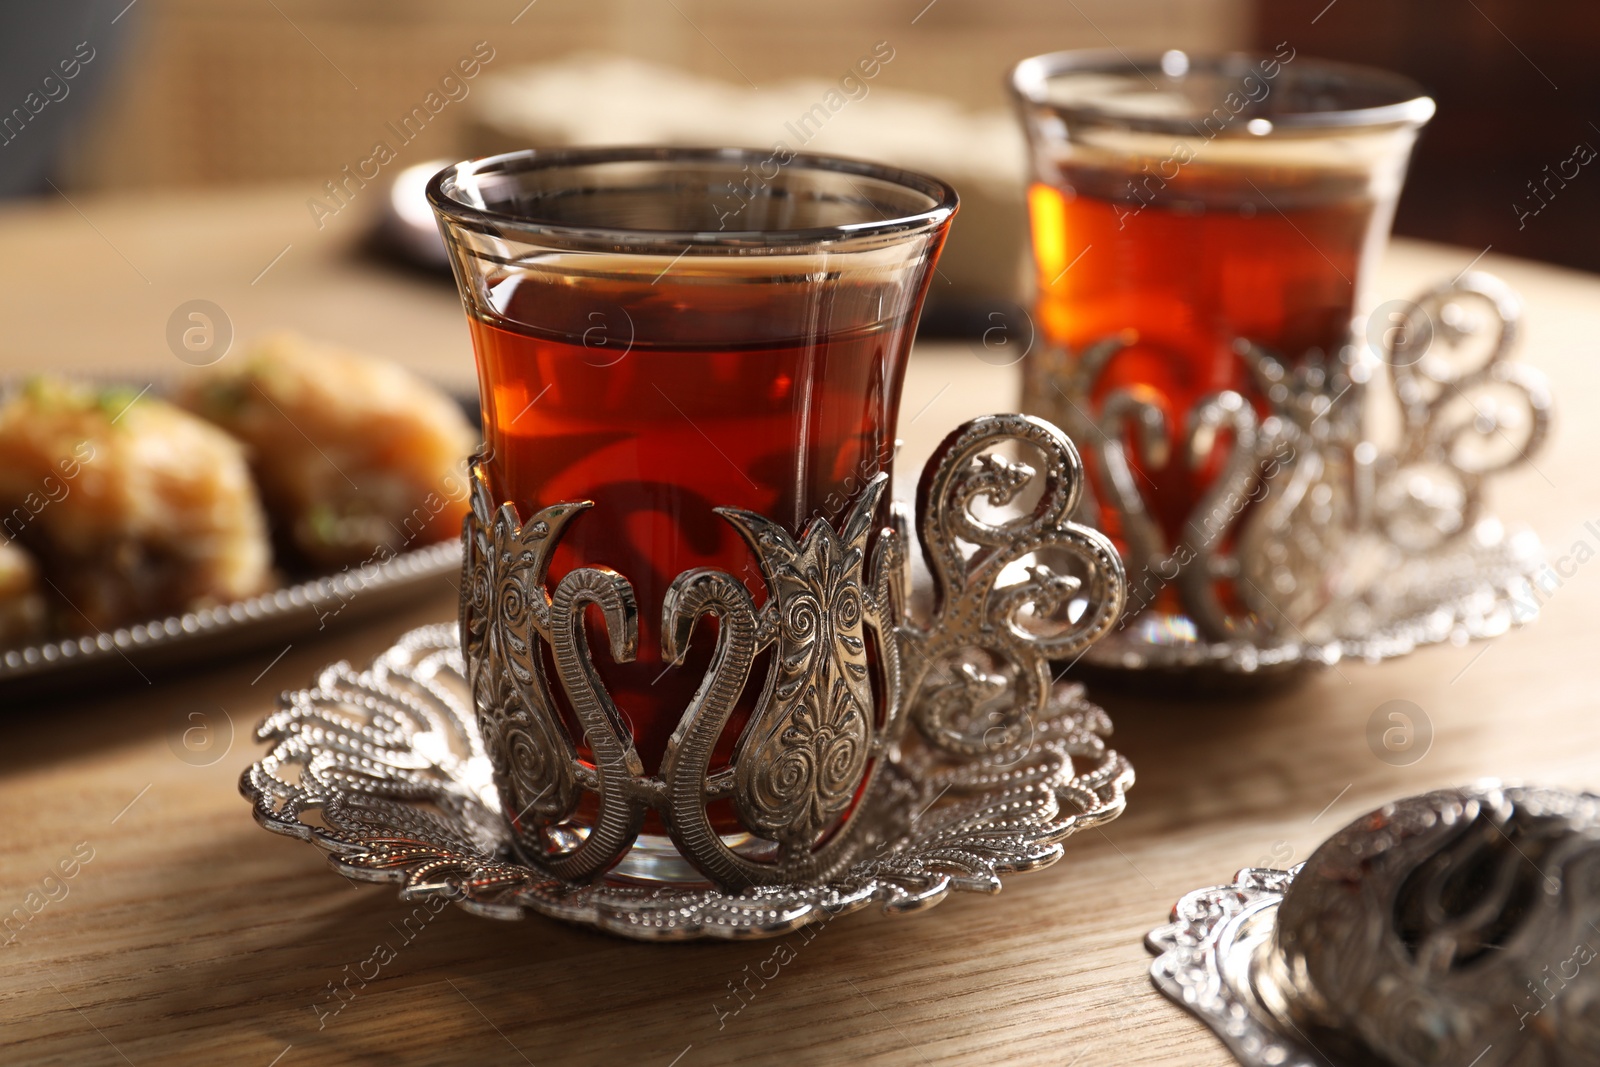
(943, 195)
(1411, 106)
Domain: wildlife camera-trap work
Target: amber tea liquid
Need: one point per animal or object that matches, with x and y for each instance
(633, 393)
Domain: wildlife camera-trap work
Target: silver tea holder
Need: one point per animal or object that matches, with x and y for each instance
(1321, 539)
(448, 767)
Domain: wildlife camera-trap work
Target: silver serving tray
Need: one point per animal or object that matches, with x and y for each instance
(140, 652)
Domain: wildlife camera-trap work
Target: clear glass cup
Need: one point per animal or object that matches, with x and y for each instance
(1181, 203)
(667, 331)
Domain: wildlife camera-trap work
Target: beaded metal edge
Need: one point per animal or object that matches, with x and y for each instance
(303, 606)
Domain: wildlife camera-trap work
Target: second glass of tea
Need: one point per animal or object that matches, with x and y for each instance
(664, 332)
(1183, 203)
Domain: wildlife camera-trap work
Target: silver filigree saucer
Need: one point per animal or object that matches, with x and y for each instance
(1207, 958)
(1480, 588)
(384, 768)
(1455, 928)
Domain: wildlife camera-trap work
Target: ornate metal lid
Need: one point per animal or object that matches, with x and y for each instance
(1460, 927)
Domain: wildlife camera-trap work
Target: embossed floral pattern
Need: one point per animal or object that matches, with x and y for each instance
(503, 609)
(804, 755)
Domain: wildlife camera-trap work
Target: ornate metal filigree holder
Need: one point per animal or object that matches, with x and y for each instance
(1324, 536)
(1460, 927)
(886, 760)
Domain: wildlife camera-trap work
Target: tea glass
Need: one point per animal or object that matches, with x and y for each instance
(1203, 228)
(661, 332)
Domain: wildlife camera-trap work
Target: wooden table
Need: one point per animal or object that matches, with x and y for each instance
(191, 936)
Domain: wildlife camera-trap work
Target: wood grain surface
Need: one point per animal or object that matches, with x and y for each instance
(188, 935)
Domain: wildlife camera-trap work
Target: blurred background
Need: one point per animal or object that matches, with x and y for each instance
(216, 91)
(181, 95)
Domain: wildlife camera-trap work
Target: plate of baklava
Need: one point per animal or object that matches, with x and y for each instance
(289, 488)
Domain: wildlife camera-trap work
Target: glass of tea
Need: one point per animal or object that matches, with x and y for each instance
(663, 332)
(1187, 205)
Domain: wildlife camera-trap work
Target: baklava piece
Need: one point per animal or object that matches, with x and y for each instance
(357, 458)
(22, 606)
(134, 508)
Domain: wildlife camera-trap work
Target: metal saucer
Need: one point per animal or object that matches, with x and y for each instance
(385, 770)
(1212, 956)
(1481, 587)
